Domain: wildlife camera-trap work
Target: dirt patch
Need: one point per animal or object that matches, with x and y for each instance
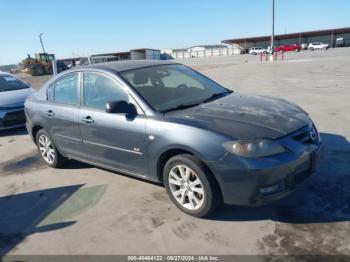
(316, 224)
(161, 196)
(306, 239)
(23, 164)
(185, 230)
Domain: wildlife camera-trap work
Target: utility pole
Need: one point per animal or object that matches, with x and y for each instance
(41, 42)
(273, 27)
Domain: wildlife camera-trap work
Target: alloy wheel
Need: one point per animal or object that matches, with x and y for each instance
(186, 187)
(46, 149)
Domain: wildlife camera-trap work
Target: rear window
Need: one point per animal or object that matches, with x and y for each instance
(10, 83)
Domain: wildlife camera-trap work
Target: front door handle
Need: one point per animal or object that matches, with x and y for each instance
(87, 120)
(50, 113)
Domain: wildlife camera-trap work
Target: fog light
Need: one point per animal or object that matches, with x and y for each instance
(269, 189)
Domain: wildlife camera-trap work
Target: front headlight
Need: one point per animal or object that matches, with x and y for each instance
(253, 149)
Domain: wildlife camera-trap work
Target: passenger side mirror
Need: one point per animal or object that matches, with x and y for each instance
(121, 107)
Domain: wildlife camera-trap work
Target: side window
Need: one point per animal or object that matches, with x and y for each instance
(99, 90)
(64, 90)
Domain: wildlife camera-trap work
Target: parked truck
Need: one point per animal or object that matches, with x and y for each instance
(42, 64)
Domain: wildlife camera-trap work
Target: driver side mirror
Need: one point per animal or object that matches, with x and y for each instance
(121, 107)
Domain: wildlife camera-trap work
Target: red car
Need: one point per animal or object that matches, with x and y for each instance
(288, 48)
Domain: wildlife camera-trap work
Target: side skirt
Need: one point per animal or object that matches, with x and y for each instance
(143, 177)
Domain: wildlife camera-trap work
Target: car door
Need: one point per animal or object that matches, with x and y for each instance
(61, 115)
(111, 140)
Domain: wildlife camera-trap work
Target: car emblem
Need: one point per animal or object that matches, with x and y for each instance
(313, 134)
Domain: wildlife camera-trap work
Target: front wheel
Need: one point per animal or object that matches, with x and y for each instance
(48, 150)
(37, 70)
(191, 186)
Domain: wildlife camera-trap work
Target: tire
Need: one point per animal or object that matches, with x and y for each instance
(311, 49)
(37, 70)
(199, 180)
(50, 154)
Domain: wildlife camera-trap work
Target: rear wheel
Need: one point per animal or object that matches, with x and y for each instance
(311, 49)
(191, 186)
(38, 70)
(48, 150)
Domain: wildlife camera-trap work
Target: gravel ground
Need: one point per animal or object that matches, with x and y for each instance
(86, 210)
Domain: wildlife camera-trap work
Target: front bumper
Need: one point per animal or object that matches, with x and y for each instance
(12, 118)
(254, 182)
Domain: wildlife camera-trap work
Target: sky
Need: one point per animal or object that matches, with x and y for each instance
(85, 27)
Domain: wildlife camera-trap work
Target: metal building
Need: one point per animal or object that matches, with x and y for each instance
(333, 37)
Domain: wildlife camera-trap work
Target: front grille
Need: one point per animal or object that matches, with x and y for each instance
(304, 137)
(14, 119)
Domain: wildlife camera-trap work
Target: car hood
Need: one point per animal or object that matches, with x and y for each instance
(14, 98)
(244, 116)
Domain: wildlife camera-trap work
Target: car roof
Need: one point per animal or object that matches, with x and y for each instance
(119, 66)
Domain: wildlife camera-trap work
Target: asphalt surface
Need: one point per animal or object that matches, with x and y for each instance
(86, 210)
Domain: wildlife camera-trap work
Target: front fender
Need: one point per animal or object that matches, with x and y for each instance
(204, 144)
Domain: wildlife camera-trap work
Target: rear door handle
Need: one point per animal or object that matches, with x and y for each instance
(87, 120)
(50, 113)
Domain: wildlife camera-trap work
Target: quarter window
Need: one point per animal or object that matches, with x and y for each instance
(64, 90)
(99, 90)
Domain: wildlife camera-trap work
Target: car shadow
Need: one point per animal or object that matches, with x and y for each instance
(19, 131)
(44, 210)
(324, 198)
(73, 164)
(21, 214)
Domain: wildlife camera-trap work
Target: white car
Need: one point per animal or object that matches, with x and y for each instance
(258, 50)
(318, 45)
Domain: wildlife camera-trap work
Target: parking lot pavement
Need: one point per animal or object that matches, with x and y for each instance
(86, 210)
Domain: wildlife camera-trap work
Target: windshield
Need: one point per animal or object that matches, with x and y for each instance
(10, 83)
(169, 87)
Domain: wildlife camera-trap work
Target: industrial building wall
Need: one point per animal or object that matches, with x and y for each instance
(147, 54)
(153, 54)
(206, 53)
(137, 55)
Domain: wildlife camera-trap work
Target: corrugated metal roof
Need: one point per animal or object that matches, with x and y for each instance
(288, 36)
(144, 49)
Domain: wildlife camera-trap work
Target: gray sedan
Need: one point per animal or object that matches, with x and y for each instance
(164, 122)
(13, 93)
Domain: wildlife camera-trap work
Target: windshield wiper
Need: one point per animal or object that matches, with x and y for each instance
(215, 96)
(179, 107)
(184, 106)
